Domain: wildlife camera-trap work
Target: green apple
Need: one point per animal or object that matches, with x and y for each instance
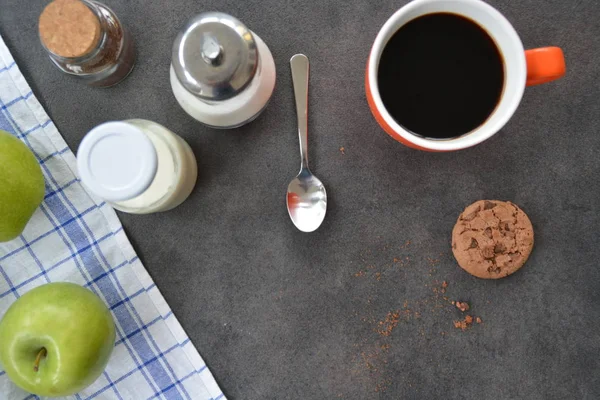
(56, 339)
(21, 186)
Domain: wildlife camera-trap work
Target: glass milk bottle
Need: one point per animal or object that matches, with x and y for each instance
(222, 74)
(137, 166)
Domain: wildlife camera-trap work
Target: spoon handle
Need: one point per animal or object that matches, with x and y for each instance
(299, 64)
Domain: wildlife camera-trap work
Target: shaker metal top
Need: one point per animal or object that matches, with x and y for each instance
(215, 56)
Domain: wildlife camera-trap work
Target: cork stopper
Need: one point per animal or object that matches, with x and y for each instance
(68, 28)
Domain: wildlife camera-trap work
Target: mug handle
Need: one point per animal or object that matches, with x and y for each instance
(544, 64)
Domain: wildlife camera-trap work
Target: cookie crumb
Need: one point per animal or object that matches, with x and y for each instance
(462, 306)
(460, 325)
(343, 151)
(464, 324)
(443, 287)
(389, 323)
(478, 320)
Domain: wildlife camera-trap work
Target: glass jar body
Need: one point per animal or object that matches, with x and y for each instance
(110, 61)
(175, 176)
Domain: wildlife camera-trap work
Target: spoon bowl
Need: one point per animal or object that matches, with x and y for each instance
(306, 201)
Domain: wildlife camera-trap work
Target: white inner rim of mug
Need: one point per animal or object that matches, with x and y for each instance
(509, 45)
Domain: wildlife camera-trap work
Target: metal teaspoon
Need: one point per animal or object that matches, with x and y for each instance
(306, 195)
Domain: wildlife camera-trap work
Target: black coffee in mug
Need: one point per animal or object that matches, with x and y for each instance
(441, 76)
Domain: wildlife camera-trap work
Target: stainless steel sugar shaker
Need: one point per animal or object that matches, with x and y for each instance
(222, 73)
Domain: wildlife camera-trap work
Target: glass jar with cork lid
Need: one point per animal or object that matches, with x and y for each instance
(86, 39)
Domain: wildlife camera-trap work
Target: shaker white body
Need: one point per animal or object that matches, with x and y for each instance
(238, 110)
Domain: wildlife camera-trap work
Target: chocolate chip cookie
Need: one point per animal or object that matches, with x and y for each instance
(492, 239)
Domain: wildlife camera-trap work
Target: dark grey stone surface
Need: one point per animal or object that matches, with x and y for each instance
(279, 314)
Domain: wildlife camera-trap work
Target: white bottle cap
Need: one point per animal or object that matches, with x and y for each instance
(116, 161)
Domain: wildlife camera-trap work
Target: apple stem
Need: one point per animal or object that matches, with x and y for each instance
(36, 364)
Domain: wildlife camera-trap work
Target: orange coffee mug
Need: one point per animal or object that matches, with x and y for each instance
(521, 68)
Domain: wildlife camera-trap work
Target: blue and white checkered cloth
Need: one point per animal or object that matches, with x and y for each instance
(78, 238)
